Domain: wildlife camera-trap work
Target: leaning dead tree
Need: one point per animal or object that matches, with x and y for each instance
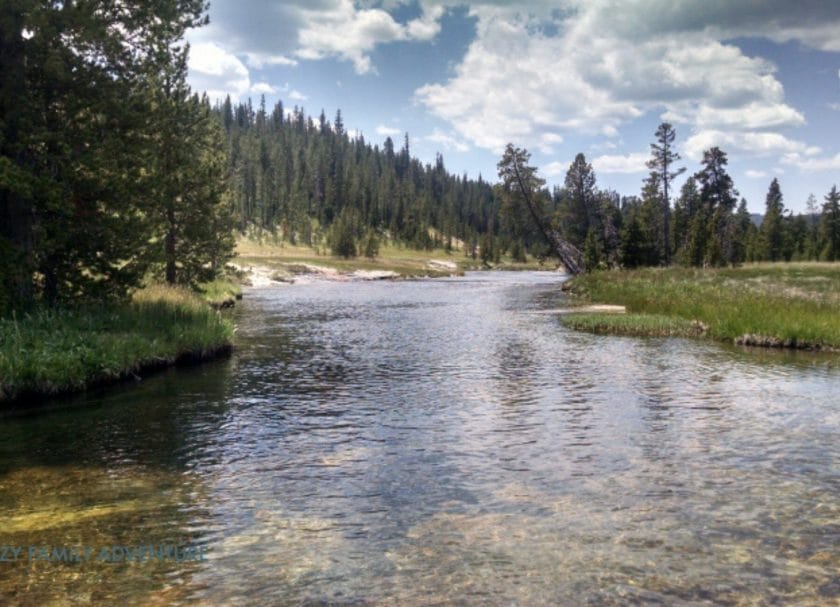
(568, 254)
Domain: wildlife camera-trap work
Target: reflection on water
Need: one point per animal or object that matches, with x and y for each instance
(437, 441)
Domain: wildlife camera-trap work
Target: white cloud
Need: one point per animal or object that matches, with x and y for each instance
(754, 143)
(296, 95)
(556, 169)
(447, 141)
(812, 163)
(632, 163)
(427, 26)
(547, 142)
(269, 33)
(517, 82)
(259, 61)
(347, 33)
(387, 131)
(550, 67)
(264, 88)
(751, 116)
(751, 174)
(216, 71)
(610, 62)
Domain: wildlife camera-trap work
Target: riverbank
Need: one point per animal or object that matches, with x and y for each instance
(267, 263)
(782, 305)
(49, 353)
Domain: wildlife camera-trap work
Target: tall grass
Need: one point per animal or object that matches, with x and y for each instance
(49, 352)
(796, 305)
(220, 293)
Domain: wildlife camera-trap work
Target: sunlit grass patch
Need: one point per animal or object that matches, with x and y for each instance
(795, 304)
(48, 352)
(220, 293)
(646, 325)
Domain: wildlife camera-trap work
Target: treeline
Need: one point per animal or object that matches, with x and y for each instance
(706, 224)
(309, 181)
(112, 171)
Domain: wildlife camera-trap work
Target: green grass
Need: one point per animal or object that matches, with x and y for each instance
(647, 325)
(792, 305)
(50, 352)
(220, 293)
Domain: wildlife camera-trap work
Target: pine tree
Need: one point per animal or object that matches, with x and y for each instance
(718, 198)
(830, 223)
(517, 252)
(342, 238)
(812, 209)
(591, 252)
(486, 249)
(633, 252)
(662, 160)
(685, 208)
(772, 228)
(188, 183)
(521, 191)
(650, 220)
(744, 233)
(74, 97)
(371, 244)
(579, 209)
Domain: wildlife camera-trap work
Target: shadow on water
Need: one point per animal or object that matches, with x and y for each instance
(432, 442)
(104, 472)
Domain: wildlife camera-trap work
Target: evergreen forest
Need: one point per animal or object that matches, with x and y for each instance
(115, 174)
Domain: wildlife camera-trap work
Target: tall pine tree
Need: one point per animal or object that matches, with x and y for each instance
(662, 174)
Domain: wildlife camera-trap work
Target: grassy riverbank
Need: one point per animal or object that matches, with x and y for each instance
(220, 293)
(286, 260)
(794, 305)
(52, 352)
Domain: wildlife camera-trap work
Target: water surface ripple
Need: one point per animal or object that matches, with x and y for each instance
(437, 442)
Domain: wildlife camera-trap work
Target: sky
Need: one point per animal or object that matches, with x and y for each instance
(758, 78)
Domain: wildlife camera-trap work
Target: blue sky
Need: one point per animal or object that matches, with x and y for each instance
(758, 78)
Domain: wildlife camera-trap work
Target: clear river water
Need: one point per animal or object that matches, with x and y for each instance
(432, 442)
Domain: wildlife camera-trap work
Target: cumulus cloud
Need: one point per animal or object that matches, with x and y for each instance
(812, 163)
(218, 72)
(631, 163)
(756, 143)
(542, 69)
(282, 33)
(590, 67)
(264, 88)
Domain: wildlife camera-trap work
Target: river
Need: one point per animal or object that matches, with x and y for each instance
(432, 442)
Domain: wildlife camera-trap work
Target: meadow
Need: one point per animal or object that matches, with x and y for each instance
(794, 305)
